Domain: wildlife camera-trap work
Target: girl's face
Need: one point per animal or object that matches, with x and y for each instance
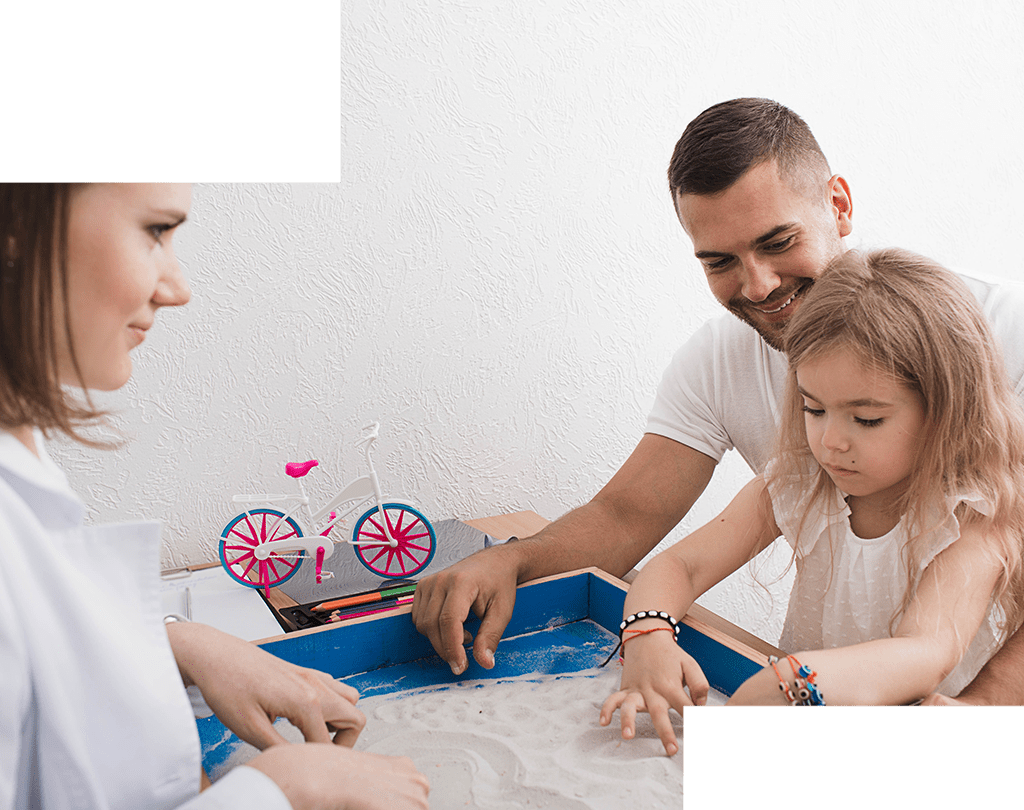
(863, 427)
(121, 270)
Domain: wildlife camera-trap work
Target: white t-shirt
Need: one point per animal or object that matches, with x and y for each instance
(722, 388)
(93, 713)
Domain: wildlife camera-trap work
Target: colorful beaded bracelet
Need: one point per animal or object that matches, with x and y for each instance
(806, 691)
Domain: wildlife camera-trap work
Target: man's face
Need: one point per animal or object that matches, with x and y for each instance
(763, 242)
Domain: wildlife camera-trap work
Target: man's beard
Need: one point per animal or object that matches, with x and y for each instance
(772, 333)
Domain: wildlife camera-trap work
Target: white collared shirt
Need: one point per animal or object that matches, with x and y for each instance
(93, 713)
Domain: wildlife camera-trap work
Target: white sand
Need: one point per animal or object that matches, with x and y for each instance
(530, 741)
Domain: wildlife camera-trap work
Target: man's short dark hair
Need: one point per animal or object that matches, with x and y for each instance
(727, 139)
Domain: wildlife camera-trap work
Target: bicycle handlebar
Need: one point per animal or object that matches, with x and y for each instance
(374, 428)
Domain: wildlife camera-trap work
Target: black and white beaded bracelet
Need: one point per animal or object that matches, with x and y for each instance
(643, 614)
(648, 614)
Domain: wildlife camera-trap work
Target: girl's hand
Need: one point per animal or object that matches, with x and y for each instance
(315, 776)
(654, 672)
(248, 689)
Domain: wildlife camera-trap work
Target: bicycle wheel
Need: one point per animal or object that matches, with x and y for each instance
(238, 548)
(416, 541)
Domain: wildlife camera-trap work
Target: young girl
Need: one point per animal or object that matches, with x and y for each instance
(93, 705)
(899, 482)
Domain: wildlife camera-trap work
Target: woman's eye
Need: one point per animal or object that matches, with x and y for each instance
(157, 230)
(813, 411)
(869, 422)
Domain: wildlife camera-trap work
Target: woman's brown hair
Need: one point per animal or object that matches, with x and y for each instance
(33, 289)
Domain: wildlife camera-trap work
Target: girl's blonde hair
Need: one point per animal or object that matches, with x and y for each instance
(906, 315)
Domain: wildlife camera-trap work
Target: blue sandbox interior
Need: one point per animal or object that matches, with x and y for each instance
(560, 625)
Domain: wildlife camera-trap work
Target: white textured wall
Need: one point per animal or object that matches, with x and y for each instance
(498, 276)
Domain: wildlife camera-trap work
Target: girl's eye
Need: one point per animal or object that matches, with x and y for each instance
(813, 411)
(869, 422)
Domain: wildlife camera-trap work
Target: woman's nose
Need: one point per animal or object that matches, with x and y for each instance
(173, 289)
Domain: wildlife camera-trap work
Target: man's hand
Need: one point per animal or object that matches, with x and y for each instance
(485, 583)
(248, 689)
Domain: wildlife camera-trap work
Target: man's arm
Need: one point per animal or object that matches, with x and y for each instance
(1000, 682)
(644, 500)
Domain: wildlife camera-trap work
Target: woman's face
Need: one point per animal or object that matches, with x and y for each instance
(121, 270)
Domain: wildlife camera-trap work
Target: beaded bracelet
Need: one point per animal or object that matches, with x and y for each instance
(783, 683)
(643, 614)
(807, 692)
(631, 634)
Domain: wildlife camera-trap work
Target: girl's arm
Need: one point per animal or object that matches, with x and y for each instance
(951, 602)
(655, 668)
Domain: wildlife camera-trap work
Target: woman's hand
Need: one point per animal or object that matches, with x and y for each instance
(315, 776)
(248, 689)
(655, 671)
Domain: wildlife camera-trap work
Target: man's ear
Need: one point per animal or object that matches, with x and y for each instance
(842, 204)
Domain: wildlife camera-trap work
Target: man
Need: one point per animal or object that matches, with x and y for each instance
(755, 194)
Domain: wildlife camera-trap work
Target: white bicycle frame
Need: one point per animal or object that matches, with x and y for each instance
(356, 494)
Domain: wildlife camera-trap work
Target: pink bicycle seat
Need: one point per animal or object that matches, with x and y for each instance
(297, 469)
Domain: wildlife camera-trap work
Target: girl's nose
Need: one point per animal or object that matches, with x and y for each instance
(834, 438)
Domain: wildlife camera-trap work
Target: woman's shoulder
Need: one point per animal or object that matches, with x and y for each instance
(38, 483)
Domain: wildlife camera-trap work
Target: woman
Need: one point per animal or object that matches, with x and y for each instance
(94, 711)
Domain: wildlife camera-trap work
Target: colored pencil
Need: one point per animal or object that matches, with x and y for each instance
(367, 598)
(384, 604)
(341, 615)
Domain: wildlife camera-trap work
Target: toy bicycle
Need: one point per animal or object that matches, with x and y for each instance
(263, 546)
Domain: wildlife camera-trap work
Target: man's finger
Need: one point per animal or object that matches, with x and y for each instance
(437, 616)
(450, 622)
(492, 625)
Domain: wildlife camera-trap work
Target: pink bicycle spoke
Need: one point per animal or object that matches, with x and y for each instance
(412, 534)
(263, 527)
(237, 560)
(250, 539)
